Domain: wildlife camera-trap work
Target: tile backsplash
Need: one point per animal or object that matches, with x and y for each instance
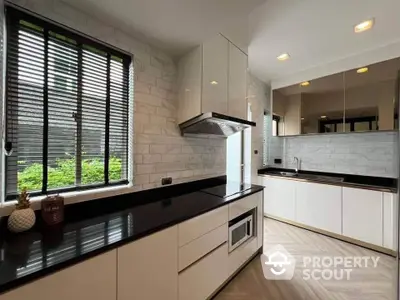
(368, 153)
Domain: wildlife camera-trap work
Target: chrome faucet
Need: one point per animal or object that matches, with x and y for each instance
(298, 161)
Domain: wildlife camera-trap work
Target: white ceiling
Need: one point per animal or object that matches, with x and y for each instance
(317, 33)
(174, 25)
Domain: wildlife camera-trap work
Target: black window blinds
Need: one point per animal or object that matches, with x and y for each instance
(67, 100)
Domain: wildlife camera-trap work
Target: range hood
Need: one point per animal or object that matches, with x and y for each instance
(213, 124)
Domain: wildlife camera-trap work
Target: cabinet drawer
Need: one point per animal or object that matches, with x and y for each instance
(200, 280)
(243, 205)
(196, 227)
(198, 248)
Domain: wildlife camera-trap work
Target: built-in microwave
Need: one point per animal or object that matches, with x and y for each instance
(241, 229)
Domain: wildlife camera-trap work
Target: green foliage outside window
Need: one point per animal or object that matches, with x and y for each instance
(63, 174)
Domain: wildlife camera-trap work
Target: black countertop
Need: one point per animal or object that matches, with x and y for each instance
(41, 251)
(357, 181)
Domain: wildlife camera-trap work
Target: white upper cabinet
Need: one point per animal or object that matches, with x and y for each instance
(212, 78)
(237, 87)
(215, 76)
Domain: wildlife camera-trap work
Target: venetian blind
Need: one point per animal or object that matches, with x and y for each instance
(67, 100)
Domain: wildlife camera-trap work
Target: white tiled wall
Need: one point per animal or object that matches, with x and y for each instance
(372, 153)
(159, 149)
(258, 95)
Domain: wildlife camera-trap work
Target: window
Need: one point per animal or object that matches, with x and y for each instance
(67, 105)
(275, 125)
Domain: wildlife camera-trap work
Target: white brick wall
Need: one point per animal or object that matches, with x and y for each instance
(159, 149)
(372, 153)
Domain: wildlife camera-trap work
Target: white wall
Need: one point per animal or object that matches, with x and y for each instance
(369, 154)
(159, 149)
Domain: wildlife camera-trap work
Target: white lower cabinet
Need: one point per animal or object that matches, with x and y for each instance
(95, 278)
(390, 210)
(201, 279)
(240, 255)
(319, 205)
(260, 220)
(148, 268)
(279, 198)
(363, 215)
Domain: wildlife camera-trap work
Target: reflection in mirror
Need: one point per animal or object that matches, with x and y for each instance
(362, 99)
(307, 108)
(370, 102)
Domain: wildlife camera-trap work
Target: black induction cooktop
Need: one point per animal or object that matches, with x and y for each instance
(228, 189)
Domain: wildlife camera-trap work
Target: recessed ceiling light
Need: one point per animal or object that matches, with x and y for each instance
(214, 82)
(323, 117)
(283, 56)
(365, 25)
(362, 70)
(305, 83)
(302, 119)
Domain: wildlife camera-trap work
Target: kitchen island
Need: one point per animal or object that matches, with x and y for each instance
(147, 245)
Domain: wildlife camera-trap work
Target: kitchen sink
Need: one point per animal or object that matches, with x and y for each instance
(321, 178)
(289, 174)
(311, 177)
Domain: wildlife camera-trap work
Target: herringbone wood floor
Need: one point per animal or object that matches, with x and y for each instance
(364, 284)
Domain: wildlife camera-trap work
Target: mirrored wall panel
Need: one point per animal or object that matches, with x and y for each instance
(362, 99)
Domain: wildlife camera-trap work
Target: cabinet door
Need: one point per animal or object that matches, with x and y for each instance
(189, 83)
(260, 220)
(319, 205)
(362, 215)
(94, 278)
(148, 268)
(390, 203)
(279, 198)
(201, 279)
(237, 86)
(215, 75)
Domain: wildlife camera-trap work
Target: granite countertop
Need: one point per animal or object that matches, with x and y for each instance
(357, 181)
(30, 255)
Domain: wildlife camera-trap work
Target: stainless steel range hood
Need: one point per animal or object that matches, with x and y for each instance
(214, 125)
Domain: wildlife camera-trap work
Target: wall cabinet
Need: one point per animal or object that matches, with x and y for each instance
(148, 268)
(212, 78)
(237, 86)
(215, 76)
(279, 198)
(95, 278)
(319, 205)
(363, 215)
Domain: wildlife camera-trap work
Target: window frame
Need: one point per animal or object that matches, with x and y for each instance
(11, 11)
(351, 121)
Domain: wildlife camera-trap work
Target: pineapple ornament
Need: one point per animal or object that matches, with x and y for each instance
(23, 217)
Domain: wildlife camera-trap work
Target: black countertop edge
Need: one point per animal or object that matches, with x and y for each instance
(196, 203)
(382, 184)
